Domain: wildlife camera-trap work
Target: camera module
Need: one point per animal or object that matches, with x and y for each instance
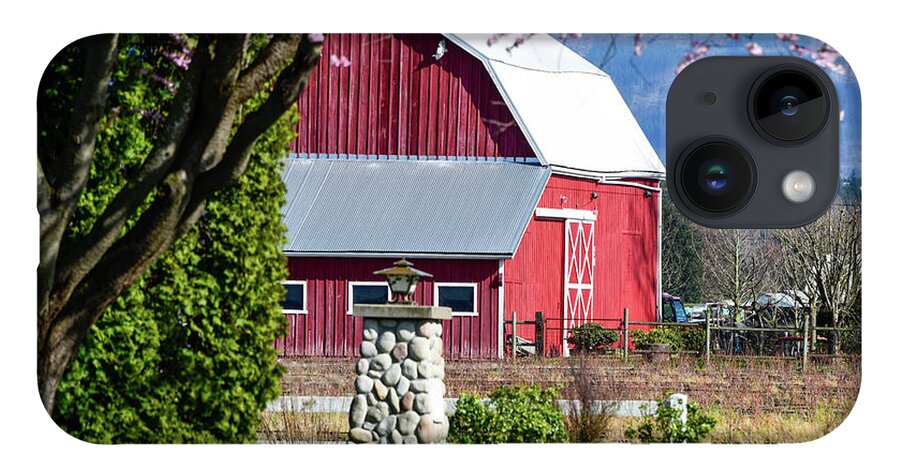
(765, 153)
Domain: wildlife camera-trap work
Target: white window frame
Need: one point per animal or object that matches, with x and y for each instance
(474, 286)
(350, 285)
(305, 302)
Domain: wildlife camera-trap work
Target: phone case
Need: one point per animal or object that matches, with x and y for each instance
(535, 283)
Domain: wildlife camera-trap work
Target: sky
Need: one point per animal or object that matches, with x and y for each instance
(643, 80)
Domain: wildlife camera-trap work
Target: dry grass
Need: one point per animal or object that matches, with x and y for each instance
(593, 393)
(736, 427)
(298, 425)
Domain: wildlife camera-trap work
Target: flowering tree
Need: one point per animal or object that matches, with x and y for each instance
(201, 144)
(822, 53)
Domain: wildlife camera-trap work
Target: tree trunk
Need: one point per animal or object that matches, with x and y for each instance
(836, 339)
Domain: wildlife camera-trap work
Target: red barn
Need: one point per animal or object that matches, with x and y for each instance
(508, 167)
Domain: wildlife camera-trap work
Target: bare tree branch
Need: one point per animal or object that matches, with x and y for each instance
(270, 61)
(286, 91)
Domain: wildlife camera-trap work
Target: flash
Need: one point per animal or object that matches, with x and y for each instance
(798, 186)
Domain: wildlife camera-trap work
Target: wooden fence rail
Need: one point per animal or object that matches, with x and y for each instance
(624, 329)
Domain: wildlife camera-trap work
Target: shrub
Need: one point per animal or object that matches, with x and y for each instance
(592, 335)
(510, 415)
(693, 340)
(679, 339)
(666, 426)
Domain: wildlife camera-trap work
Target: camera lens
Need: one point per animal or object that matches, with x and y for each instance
(790, 104)
(713, 177)
(717, 176)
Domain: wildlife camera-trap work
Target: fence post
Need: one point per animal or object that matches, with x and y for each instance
(515, 337)
(539, 333)
(805, 341)
(707, 330)
(625, 335)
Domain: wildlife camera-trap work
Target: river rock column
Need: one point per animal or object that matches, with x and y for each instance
(400, 375)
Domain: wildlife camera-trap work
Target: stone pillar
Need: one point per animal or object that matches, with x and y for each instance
(400, 375)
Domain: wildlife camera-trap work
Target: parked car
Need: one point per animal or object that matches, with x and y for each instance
(673, 309)
(698, 312)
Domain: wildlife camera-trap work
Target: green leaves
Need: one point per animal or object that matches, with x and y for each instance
(186, 355)
(592, 335)
(511, 415)
(679, 339)
(666, 425)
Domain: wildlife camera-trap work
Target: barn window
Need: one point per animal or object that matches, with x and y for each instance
(295, 297)
(367, 292)
(460, 297)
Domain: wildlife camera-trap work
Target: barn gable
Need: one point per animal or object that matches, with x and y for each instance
(569, 110)
(452, 97)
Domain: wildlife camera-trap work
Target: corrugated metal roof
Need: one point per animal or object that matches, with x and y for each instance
(452, 158)
(409, 208)
(569, 110)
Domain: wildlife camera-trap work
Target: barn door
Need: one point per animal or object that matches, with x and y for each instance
(578, 280)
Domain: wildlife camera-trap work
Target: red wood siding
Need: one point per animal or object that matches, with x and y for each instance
(395, 99)
(327, 330)
(626, 246)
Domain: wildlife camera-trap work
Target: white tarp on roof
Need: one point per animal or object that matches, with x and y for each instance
(569, 110)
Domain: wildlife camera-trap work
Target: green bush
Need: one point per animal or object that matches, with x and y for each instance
(679, 339)
(666, 427)
(592, 335)
(511, 415)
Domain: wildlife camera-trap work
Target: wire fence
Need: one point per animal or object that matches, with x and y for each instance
(704, 337)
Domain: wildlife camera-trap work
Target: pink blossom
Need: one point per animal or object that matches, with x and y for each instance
(168, 83)
(315, 37)
(700, 50)
(754, 49)
(182, 58)
(495, 38)
(827, 57)
(181, 39)
(798, 50)
(792, 37)
(152, 115)
(339, 62)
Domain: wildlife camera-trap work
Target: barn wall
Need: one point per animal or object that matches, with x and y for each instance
(327, 330)
(626, 254)
(394, 98)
